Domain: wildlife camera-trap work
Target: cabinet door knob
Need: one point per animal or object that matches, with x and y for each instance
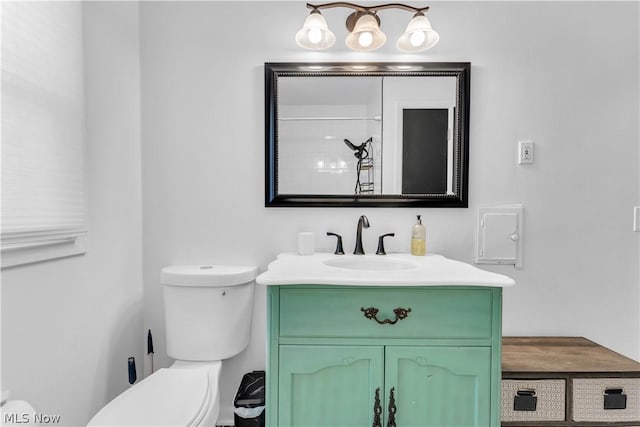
(371, 313)
(391, 422)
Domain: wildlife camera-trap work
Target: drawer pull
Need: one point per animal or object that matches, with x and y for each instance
(371, 312)
(614, 398)
(525, 400)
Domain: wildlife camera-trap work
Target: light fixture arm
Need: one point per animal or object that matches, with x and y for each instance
(367, 9)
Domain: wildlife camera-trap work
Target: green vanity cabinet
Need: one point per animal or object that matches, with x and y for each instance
(360, 356)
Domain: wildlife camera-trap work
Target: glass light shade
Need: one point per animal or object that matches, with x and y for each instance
(366, 34)
(418, 36)
(315, 34)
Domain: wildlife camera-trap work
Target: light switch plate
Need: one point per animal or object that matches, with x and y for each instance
(636, 218)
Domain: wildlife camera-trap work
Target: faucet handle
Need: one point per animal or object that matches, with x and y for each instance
(339, 249)
(380, 250)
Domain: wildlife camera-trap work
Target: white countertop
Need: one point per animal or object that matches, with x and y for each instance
(428, 270)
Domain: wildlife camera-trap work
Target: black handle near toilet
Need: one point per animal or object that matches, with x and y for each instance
(131, 366)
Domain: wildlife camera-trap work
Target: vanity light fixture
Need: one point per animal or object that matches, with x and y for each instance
(363, 25)
(315, 34)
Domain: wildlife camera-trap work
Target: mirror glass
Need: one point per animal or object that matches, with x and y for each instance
(367, 134)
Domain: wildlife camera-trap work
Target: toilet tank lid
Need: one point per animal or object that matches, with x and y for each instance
(207, 275)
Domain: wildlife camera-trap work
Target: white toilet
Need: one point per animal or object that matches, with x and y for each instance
(208, 313)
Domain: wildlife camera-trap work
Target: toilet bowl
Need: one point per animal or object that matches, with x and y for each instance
(208, 319)
(182, 395)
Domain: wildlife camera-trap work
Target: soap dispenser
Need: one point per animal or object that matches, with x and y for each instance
(418, 238)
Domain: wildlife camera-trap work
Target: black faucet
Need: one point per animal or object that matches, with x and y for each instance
(381, 250)
(339, 250)
(363, 221)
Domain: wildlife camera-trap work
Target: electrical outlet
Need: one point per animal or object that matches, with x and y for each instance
(525, 152)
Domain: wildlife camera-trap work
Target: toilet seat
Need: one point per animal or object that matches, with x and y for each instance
(169, 397)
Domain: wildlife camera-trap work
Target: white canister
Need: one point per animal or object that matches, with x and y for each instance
(306, 243)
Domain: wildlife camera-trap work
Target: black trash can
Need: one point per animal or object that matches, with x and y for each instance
(249, 401)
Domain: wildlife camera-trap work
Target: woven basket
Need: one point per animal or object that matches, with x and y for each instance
(550, 405)
(588, 399)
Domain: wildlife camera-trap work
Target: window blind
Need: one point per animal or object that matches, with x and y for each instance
(43, 145)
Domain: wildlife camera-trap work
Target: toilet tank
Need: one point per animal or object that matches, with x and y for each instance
(208, 310)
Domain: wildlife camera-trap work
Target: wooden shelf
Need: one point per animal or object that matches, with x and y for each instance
(562, 355)
(569, 359)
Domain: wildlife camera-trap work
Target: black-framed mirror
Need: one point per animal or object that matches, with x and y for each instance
(367, 134)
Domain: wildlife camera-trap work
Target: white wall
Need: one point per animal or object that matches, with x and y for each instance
(562, 74)
(68, 326)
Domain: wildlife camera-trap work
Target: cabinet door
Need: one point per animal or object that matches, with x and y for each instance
(439, 386)
(328, 385)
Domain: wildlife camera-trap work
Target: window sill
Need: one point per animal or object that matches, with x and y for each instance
(16, 256)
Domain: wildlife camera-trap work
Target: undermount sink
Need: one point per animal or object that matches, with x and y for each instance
(370, 264)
